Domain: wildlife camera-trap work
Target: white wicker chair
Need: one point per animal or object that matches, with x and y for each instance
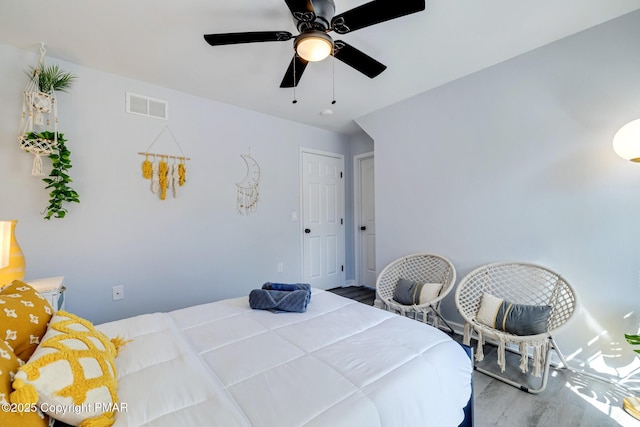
(519, 283)
(421, 268)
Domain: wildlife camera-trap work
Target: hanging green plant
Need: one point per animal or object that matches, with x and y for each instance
(59, 178)
(52, 78)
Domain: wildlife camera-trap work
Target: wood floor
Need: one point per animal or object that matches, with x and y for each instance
(571, 399)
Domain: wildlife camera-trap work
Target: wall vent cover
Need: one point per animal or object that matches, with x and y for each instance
(146, 106)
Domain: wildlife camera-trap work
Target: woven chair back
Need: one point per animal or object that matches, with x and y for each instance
(421, 268)
(519, 283)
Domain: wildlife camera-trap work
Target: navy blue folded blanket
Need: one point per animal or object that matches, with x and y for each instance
(288, 286)
(277, 301)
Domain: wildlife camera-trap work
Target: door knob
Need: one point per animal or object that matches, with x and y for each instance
(364, 227)
(307, 230)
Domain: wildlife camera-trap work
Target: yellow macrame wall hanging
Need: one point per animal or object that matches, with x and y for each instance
(164, 170)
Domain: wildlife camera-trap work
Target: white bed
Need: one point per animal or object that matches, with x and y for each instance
(342, 363)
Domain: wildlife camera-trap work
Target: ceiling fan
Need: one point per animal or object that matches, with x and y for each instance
(314, 19)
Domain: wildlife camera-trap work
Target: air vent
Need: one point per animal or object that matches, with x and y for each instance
(145, 106)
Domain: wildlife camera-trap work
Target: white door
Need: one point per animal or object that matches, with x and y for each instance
(322, 219)
(365, 221)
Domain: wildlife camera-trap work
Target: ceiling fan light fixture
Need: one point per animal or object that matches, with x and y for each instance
(313, 46)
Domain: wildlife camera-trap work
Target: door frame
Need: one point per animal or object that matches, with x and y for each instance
(339, 156)
(357, 211)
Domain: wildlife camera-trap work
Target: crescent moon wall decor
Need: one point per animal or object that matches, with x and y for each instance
(247, 189)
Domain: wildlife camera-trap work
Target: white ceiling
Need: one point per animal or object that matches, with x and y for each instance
(160, 41)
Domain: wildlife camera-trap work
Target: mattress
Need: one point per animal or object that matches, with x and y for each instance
(342, 363)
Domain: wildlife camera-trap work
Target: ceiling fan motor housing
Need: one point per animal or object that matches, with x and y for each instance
(320, 20)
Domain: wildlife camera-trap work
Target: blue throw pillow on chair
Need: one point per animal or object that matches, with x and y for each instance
(517, 319)
(407, 292)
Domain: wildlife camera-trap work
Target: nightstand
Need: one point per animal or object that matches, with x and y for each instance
(52, 289)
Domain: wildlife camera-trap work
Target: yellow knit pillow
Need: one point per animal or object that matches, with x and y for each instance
(24, 315)
(9, 414)
(72, 374)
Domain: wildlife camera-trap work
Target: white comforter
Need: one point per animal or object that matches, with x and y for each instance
(341, 363)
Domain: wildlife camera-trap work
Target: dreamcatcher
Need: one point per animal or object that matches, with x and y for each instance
(38, 109)
(247, 189)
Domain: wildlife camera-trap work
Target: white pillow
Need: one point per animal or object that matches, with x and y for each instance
(429, 292)
(489, 306)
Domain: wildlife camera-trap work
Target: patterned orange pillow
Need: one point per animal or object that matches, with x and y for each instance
(9, 413)
(24, 315)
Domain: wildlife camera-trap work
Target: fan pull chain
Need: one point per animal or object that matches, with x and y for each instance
(294, 79)
(333, 72)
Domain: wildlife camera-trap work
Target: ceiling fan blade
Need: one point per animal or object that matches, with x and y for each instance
(250, 37)
(290, 79)
(302, 10)
(374, 12)
(357, 59)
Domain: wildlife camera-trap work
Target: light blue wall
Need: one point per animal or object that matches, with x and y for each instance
(515, 163)
(167, 254)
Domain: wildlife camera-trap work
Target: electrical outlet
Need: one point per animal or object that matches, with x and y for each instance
(117, 292)
(280, 267)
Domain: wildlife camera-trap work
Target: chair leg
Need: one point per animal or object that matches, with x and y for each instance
(543, 382)
(559, 353)
(442, 318)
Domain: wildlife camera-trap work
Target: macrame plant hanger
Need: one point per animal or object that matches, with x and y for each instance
(38, 109)
(247, 190)
(162, 174)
